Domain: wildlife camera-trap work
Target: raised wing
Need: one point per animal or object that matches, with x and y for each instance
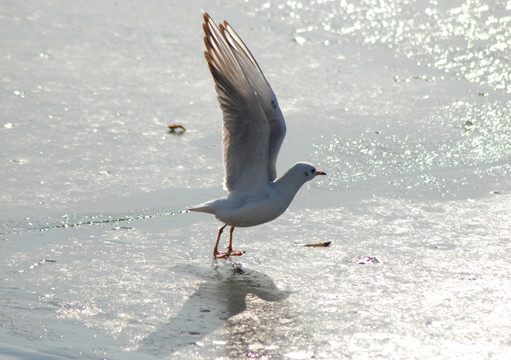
(246, 132)
(264, 93)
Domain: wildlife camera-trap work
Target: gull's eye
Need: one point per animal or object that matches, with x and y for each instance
(313, 171)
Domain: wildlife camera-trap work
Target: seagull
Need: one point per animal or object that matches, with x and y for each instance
(253, 130)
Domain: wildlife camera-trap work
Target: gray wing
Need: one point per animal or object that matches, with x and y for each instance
(264, 93)
(246, 132)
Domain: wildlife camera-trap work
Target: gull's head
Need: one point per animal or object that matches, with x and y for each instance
(305, 171)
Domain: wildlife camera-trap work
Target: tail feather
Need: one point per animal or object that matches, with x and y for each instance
(205, 207)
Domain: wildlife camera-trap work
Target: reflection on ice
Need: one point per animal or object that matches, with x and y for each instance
(221, 296)
(469, 38)
(427, 155)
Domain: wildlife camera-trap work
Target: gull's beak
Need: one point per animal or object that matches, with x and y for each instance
(320, 173)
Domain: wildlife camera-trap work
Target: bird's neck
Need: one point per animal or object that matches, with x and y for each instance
(287, 186)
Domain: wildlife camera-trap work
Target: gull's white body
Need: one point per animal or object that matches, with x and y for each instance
(253, 131)
(257, 206)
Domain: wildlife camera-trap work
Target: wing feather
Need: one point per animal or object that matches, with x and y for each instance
(246, 131)
(264, 92)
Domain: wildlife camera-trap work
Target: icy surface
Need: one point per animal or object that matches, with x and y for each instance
(404, 104)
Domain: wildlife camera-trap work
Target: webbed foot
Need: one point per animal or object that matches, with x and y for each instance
(225, 255)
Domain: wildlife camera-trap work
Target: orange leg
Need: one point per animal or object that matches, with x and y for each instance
(217, 253)
(221, 255)
(230, 252)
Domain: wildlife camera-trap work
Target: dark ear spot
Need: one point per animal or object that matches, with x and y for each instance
(273, 105)
(306, 173)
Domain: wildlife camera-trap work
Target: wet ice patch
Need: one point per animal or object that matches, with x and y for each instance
(437, 154)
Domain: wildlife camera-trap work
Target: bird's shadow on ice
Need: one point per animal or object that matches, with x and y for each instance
(220, 296)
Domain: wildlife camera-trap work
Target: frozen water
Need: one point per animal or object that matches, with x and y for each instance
(404, 104)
